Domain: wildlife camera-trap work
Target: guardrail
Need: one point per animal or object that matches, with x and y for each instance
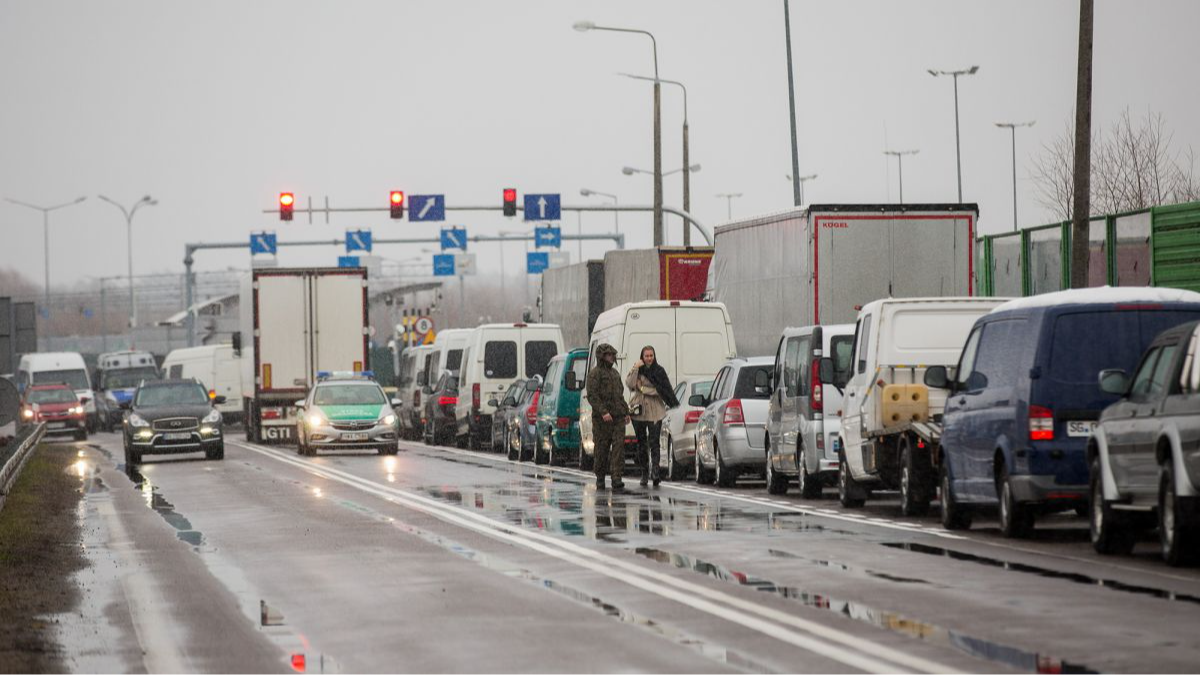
(16, 462)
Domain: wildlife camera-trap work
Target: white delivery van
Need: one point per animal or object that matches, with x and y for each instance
(65, 367)
(447, 353)
(216, 367)
(409, 380)
(890, 419)
(691, 339)
(495, 356)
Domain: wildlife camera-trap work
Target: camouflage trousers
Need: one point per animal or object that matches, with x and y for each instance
(609, 458)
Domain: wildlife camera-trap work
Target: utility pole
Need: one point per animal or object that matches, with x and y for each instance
(797, 197)
(1081, 208)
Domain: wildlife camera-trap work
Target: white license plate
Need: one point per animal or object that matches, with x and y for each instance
(178, 436)
(354, 437)
(1081, 429)
(56, 425)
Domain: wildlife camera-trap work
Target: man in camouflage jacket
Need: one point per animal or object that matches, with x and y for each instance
(610, 413)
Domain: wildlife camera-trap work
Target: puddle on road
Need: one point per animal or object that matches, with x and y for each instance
(830, 564)
(897, 623)
(1044, 572)
(164, 508)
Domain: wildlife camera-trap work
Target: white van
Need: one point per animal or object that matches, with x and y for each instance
(214, 366)
(495, 356)
(691, 339)
(895, 341)
(65, 367)
(409, 379)
(447, 350)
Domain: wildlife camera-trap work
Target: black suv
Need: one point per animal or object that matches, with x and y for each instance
(169, 417)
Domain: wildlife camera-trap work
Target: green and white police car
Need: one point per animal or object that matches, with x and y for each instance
(346, 411)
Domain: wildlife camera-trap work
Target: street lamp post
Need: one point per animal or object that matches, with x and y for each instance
(899, 155)
(588, 193)
(801, 181)
(583, 27)
(46, 240)
(687, 188)
(129, 213)
(729, 197)
(957, 147)
(629, 171)
(1012, 126)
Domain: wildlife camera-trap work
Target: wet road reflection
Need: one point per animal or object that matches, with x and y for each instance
(164, 508)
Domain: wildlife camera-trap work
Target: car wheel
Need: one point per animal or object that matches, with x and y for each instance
(81, 435)
(1016, 519)
(216, 453)
(777, 483)
(809, 484)
(301, 446)
(955, 516)
(674, 466)
(539, 457)
(1177, 536)
(132, 457)
(703, 475)
(913, 499)
(726, 477)
(848, 490)
(1110, 533)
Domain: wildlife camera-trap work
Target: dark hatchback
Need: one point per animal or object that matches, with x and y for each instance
(172, 417)
(437, 410)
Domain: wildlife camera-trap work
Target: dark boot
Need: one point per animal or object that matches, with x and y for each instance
(599, 482)
(618, 484)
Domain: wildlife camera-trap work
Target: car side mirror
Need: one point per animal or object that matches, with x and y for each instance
(572, 382)
(937, 377)
(697, 401)
(219, 400)
(762, 382)
(533, 385)
(396, 403)
(83, 400)
(494, 403)
(1114, 381)
(300, 404)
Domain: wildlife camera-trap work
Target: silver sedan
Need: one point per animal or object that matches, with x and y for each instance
(730, 434)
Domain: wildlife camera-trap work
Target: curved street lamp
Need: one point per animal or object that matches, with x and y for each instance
(46, 235)
(129, 214)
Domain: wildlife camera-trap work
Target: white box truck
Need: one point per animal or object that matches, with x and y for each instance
(297, 322)
(818, 265)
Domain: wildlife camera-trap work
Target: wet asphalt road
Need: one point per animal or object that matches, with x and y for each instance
(449, 561)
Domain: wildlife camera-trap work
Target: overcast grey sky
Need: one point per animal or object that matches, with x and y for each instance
(215, 107)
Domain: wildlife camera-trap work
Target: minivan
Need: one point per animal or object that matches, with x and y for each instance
(117, 376)
(495, 356)
(446, 354)
(691, 339)
(217, 368)
(803, 422)
(65, 367)
(557, 436)
(1026, 397)
(410, 378)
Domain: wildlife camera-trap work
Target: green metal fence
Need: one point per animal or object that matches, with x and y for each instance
(1157, 246)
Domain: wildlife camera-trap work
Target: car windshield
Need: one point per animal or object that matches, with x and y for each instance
(348, 394)
(183, 393)
(127, 378)
(75, 379)
(52, 396)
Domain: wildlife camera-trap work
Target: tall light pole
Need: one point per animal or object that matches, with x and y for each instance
(797, 190)
(46, 239)
(802, 180)
(899, 155)
(129, 213)
(687, 187)
(729, 197)
(957, 146)
(583, 27)
(1012, 126)
(629, 171)
(588, 193)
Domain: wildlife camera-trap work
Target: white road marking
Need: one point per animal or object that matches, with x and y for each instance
(847, 649)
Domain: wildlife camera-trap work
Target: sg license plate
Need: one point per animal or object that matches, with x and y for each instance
(179, 436)
(354, 437)
(1081, 429)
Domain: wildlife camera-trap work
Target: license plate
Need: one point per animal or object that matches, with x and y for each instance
(178, 436)
(1081, 429)
(56, 425)
(354, 437)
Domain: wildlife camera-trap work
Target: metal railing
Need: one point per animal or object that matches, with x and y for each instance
(16, 461)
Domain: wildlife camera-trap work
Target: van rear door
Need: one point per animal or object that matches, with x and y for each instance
(702, 341)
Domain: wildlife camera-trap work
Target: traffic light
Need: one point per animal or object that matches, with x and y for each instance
(397, 203)
(287, 200)
(510, 201)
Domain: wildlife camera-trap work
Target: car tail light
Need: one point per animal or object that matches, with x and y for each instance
(563, 423)
(692, 416)
(475, 396)
(733, 413)
(447, 400)
(531, 411)
(818, 391)
(821, 442)
(1041, 423)
(417, 399)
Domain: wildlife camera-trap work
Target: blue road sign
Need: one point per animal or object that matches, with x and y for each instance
(543, 207)
(454, 237)
(87, 313)
(424, 208)
(443, 265)
(358, 240)
(536, 263)
(348, 261)
(547, 236)
(263, 243)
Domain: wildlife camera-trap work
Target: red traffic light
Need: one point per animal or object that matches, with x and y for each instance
(397, 204)
(510, 201)
(287, 201)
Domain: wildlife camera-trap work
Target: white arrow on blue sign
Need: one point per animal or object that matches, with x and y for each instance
(536, 263)
(263, 243)
(443, 265)
(454, 237)
(358, 240)
(543, 207)
(547, 236)
(426, 208)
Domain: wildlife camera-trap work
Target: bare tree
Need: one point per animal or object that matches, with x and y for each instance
(1053, 172)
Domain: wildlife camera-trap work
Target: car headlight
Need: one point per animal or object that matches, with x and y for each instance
(212, 417)
(315, 419)
(388, 420)
(77, 410)
(28, 413)
(135, 420)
